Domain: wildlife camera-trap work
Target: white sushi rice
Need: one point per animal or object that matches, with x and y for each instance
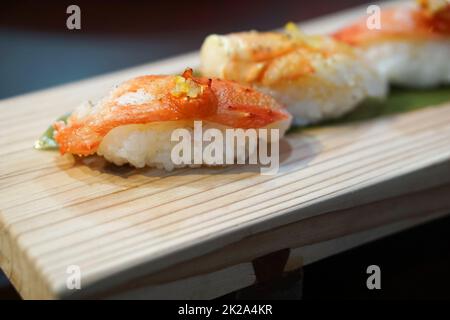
(341, 83)
(150, 144)
(417, 63)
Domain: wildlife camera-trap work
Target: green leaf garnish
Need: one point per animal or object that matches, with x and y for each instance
(399, 100)
(46, 141)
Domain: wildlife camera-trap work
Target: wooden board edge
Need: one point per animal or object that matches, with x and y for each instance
(218, 283)
(333, 223)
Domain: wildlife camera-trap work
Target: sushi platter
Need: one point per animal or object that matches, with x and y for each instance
(196, 232)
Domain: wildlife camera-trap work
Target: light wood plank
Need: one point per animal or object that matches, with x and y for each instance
(121, 225)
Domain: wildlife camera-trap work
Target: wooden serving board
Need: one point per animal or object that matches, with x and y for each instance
(193, 233)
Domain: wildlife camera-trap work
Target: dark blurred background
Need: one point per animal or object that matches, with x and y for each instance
(38, 51)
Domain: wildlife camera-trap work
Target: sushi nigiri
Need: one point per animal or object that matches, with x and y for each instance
(134, 122)
(412, 46)
(315, 77)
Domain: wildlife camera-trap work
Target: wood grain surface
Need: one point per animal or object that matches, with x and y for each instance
(122, 225)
